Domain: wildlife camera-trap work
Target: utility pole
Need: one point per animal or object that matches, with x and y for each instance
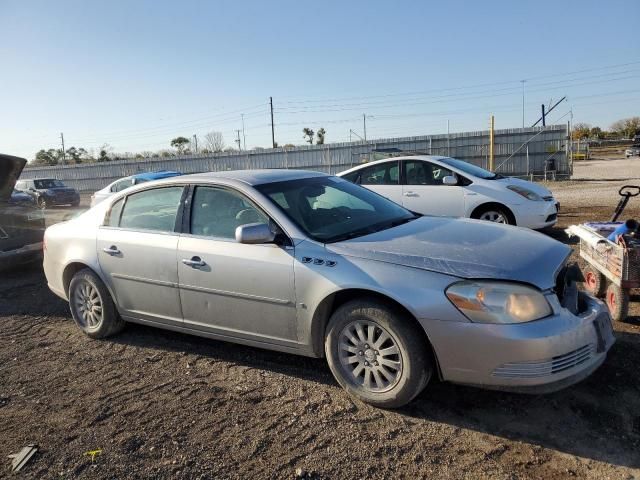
(523, 82)
(547, 112)
(364, 123)
(273, 134)
(238, 140)
(195, 141)
(448, 140)
(64, 155)
(544, 122)
(244, 138)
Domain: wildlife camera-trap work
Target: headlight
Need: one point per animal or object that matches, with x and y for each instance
(498, 302)
(525, 192)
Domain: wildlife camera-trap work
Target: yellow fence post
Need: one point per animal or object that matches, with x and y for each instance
(491, 143)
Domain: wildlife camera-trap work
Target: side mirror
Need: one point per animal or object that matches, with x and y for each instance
(253, 233)
(450, 180)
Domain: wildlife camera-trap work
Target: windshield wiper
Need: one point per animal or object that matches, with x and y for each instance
(349, 235)
(370, 229)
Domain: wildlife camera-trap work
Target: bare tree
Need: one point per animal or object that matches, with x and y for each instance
(214, 141)
(307, 134)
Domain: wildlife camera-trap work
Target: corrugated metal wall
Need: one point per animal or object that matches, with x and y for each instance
(520, 152)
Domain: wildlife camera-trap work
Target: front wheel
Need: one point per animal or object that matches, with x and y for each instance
(493, 214)
(378, 356)
(92, 307)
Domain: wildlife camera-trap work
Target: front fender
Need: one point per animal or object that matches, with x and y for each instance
(421, 292)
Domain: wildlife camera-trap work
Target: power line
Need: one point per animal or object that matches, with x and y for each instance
(467, 87)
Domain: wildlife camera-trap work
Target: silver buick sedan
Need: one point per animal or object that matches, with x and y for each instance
(311, 264)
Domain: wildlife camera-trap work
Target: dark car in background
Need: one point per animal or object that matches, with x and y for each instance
(21, 222)
(49, 192)
(21, 198)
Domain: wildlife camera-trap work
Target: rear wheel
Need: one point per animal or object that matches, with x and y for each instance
(378, 356)
(618, 302)
(92, 307)
(594, 282)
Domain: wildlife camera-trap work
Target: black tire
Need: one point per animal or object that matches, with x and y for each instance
(617, 300)
(413, 358)
(594, 282)
(86, 287)
(493, 211)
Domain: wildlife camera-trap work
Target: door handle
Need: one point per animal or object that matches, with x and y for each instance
(410, 194)
(194, 262)
(112, 250)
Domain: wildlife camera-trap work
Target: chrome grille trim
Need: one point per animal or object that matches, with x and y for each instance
(542, 368)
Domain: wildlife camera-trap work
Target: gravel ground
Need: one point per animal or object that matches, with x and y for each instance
(165, 405)
(595, 183)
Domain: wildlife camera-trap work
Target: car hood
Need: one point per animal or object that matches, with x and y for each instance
(10, 169)
(534, 187)
(464, 248)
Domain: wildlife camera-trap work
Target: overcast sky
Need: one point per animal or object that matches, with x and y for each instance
(135, 74)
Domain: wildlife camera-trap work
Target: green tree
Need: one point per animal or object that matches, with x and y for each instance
(320, 136)
(48, 157)
(78, 155)
(596, 132)
(307, 134)
(180, 144)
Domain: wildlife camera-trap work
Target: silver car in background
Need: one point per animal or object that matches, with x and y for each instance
(312, 264)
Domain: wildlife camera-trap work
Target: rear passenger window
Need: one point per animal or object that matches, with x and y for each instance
(216, 212)
(113, 217)
(387, 173)
(155, 209)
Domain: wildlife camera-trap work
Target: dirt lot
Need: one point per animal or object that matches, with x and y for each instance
(164, 405)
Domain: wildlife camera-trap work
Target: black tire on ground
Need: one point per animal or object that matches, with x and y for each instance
(92, 307)
(493, 214)
(594, 282)
(393, 379)
(617, 300)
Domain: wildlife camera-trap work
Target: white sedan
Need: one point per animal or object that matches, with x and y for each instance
(444, 186)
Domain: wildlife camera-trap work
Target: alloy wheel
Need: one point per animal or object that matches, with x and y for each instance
(87, 305)
(494, 216)
(369, 356)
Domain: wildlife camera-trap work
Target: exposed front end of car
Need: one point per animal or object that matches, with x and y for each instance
(540, 356)
(21, 232)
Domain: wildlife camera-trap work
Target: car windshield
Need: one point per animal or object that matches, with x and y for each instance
(48, 183)
(470, 169)
(330, 209)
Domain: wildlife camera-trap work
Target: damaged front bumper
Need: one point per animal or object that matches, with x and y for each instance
(535, 357)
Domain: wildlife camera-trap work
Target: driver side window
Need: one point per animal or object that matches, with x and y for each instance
(216, 212)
